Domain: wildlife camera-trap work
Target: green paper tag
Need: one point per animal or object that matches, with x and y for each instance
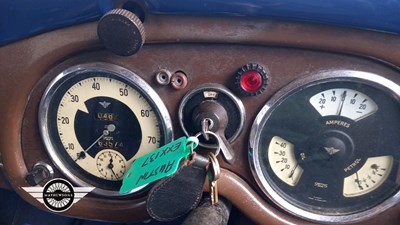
(158, 164)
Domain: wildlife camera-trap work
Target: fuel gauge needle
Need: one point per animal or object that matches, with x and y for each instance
(341, 103)
(358, 182)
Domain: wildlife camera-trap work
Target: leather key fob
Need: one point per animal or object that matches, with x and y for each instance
(178, 194)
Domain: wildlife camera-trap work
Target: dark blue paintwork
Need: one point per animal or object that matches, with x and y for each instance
(383, 15)
(22, 18)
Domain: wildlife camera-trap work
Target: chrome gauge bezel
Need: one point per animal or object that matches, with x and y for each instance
(219, 88)
(264, 183)
(122, 73)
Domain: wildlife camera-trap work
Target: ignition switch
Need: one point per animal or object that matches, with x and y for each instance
(213, 106)
(212, 116)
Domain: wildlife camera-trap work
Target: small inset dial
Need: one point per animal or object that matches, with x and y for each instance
(373, 173)
(283, 161)
(111, 164)
(344, 102)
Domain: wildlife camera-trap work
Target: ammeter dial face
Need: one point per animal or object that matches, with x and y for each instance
(343, 102)
(327, 148)
(96, 119)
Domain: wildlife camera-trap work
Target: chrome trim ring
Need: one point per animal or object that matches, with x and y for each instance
(126, 75)
(264, 182)
(219, 88)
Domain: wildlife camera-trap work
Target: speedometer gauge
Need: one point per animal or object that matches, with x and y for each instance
(327, 147)
(97, 118)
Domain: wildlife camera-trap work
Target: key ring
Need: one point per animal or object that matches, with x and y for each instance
(218, 149)
(214, 166)
(194, 142)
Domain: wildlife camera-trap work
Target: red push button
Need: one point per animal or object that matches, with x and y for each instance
(251, 79)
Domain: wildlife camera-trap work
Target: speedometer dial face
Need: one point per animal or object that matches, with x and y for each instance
(327, 147)
(96, 119)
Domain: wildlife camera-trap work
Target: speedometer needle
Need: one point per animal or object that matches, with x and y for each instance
(341, 103)
(109, 128)
(106, 132)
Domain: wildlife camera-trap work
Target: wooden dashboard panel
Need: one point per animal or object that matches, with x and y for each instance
(208, 50)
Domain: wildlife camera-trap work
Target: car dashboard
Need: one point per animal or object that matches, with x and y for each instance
(312, 86)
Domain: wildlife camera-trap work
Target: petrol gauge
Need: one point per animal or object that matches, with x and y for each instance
(326, 147)
(369, 177)
(97, 118)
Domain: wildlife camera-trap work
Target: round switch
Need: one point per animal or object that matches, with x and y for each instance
(251, 79)
(121, 32)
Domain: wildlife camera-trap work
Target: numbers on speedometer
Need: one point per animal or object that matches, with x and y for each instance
(96, 119)
(122, 120)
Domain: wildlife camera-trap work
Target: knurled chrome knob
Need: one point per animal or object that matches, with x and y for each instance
(121, 32)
